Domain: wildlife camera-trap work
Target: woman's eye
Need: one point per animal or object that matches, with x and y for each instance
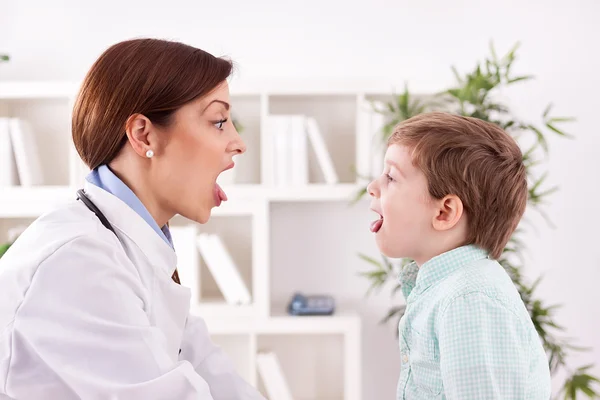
(219, 124)
(389, 177)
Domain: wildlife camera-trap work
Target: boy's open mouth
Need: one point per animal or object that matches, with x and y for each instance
(376, 225)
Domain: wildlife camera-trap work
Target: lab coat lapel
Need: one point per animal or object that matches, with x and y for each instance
(129, 223)
(170, 301)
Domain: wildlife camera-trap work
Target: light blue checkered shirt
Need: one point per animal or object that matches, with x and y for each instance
(466, 333)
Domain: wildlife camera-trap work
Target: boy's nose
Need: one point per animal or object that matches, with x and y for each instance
(373, 189)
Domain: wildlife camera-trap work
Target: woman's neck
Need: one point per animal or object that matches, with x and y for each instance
(136, 177)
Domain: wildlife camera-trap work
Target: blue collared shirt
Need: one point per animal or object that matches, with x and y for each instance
(466, 333)
(105, 179)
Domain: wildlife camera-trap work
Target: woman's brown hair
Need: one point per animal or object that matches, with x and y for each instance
(151, 77)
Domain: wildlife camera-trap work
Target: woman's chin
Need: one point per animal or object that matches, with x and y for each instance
(200, 215)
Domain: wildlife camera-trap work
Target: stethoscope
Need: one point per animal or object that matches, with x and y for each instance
(90, 204)
(92, 207)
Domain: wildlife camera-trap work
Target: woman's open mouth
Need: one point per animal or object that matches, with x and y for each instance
(219, 194)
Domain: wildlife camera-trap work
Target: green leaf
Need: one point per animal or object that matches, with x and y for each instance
(580, 382)
(585, 368)
(456, 75)
(4, 248)
(562, 119)
(4, 57)
(556, 130)
(539, 182)
(359, 195)
(547, 110)
(398, 310)
(370, 260)
(493, 52)
(540, 137)
(520, 78)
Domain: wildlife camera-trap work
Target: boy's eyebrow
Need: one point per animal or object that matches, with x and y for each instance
(393, 164)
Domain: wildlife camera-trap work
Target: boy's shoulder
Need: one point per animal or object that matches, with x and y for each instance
(485, 277)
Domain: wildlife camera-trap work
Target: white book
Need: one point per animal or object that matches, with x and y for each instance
(223, 269)
(370, 146)
(298, 149)
(233, 275)
(281, 161)
(378, 146)
(272, 376)
(26, 152)
(317, 142)
(289, 148)
(188, 263)
(8, 165)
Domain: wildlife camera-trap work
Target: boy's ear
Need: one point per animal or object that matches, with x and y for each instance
(449, 210)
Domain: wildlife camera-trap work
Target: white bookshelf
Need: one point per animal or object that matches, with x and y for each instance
(243, 222)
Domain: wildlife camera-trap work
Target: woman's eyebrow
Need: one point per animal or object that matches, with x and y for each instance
(226, 104)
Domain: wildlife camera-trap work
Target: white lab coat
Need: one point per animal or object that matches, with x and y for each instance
(87, 315)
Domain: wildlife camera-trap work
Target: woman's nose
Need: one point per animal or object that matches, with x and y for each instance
(239, 146)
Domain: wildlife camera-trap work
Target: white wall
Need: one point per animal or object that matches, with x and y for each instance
(416, 41)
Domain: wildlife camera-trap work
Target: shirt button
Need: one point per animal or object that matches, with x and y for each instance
(405, 358)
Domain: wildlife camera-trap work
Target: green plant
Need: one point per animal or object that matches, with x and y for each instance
(4, 57)
(476, 95)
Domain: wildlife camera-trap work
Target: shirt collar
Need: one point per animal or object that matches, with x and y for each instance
(105, 179)
(439, 267)
(128, 223)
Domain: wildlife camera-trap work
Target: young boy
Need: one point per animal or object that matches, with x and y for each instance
(451, 194)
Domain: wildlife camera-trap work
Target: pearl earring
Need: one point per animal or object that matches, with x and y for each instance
(149, 153)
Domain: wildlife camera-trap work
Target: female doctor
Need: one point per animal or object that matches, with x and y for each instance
(90, 302)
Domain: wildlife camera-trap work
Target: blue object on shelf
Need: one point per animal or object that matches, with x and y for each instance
(311, 305)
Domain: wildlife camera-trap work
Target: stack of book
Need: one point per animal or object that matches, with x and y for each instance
(289, 137)
(189, 246)
(19, 157)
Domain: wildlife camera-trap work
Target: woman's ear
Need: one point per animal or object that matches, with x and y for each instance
(138, 129)
(448, 212)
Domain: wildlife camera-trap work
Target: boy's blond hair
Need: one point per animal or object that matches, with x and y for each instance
(476, 161)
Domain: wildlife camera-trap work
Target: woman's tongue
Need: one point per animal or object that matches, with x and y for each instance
(376, 225)
(219, 195)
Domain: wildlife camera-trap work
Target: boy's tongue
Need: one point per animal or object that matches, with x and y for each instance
(376, 225)
(219, 195)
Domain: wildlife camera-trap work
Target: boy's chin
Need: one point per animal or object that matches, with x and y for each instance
(391, 251)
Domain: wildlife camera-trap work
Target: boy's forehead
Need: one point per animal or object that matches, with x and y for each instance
(399, 155)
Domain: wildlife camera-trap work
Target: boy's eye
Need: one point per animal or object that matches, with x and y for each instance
(389, 177)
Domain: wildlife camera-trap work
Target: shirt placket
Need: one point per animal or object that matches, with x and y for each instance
(404, 360)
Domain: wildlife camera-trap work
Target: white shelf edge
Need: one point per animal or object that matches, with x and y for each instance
(211, 310)
(340, 324)
(37, 90)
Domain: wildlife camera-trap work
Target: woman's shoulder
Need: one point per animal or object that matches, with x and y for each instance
(61, 226)
(52, 234)
(60, 251)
